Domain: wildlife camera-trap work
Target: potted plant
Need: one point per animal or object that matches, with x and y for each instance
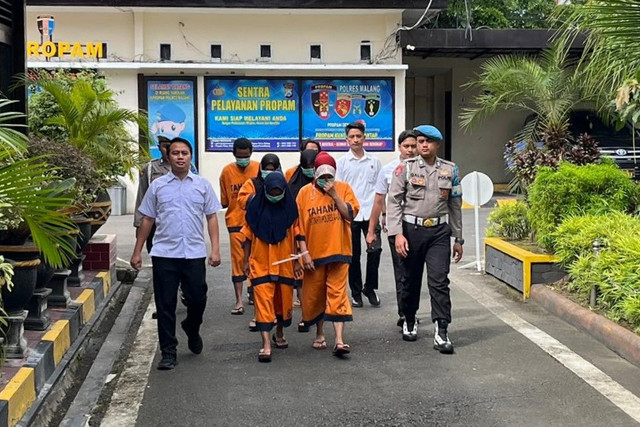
(80, 109)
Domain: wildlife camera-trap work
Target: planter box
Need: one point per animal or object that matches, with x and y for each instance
(518, 267)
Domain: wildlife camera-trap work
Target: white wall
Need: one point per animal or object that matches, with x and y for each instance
(136, 36)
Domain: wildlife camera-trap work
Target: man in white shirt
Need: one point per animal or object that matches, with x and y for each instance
(407, 146)
(360, 170)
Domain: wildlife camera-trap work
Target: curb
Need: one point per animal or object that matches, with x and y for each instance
(21, 392)
(615, 337)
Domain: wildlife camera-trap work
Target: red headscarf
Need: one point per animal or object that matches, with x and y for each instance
(324, 164)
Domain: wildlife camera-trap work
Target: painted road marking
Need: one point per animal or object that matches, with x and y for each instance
(604, 384)
(127, 398)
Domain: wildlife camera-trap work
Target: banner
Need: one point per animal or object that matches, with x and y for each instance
(171, 107)
(266, 111)
(329, 105)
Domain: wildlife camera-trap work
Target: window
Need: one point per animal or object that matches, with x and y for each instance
(216, 52)
(315, 53)
(165, 52)
(265, 52)
(365, 51)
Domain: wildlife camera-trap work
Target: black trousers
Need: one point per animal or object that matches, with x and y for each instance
(373, 259)
(430, 245)
(398, 271)
(168, 273)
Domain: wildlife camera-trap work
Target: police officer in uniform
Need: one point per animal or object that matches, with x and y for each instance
(424, 191)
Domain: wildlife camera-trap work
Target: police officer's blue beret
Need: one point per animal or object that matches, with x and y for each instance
(428, 131)
(171, 113)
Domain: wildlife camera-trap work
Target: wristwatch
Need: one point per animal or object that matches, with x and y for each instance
(460, 241)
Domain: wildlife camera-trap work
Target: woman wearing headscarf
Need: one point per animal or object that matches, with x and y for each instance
(302, 174)
(271, 236)
(269, 163)
(326, 208)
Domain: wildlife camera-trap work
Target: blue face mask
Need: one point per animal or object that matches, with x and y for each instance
(243, 162)
(264, 173)
(308, 172)
(275, 199)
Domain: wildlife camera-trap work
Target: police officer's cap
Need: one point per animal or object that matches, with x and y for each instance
(428, 131)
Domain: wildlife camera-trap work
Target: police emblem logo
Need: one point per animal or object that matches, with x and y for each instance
(399, 169)
(321, 99)
(372, 105)
(418, 181)
(288, 90)
(357, 103)
(343, 105)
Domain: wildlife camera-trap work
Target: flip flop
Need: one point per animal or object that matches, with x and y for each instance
(264, 357)
(319, 344)
(237, 311)
(282, 344)
(341, 349)
(252, 326)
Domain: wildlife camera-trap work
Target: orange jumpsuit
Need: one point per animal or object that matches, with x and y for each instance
(231, 180)
(328, 238)
(246, 191)
(272, 284)
(289, 173)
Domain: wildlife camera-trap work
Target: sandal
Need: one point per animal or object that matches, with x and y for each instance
(263, 356)
(302, 327)
(297, 303)
(319, 344)
(341, 349)
(252, 325)
(237, 311)
(282, 344)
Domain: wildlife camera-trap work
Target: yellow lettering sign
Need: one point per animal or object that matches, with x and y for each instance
(60, 49)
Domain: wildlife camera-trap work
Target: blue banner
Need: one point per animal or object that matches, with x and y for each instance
(266, 111)
(329, 105)
(171, 107)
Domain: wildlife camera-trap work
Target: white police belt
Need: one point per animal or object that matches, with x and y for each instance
(425, 222)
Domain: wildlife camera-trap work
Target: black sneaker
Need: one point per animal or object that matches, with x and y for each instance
(409, 331)
(441, 339)
(168, 362)
(357, 301)
(194, 340)
(372, 296)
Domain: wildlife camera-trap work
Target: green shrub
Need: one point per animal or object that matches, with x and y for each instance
(509, 221)
(577, 190)
(615, 269)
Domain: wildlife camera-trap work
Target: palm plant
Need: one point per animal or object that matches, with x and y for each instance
(612, 47)
(30, 200)
(546, 87)
(94, 123)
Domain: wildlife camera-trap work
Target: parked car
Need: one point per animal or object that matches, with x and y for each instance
(619, 145)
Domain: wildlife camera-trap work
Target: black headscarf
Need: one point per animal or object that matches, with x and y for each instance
(270, 221)
(267, 159)
(299, 179)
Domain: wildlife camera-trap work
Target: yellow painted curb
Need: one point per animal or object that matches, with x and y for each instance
(500, 187)
(20, 393)
(60, 334)
(88, 302)
(523, 255)
(466, 205)
(106, 281)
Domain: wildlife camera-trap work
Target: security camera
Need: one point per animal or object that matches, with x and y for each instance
(411, 47)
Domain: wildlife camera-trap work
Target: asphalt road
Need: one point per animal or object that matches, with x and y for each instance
(497, 376)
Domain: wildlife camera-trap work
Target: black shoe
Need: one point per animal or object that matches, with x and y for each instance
(194, 340)
(440, 338)
(400, 321)
(372, 296)
(409, 331)
(357, 301)
(302, 327)
(154, 315)
(168, 362)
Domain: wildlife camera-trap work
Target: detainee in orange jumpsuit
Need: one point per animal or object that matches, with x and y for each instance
(233, 176)
(269, 163)
(271, 238)
(326, 208)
